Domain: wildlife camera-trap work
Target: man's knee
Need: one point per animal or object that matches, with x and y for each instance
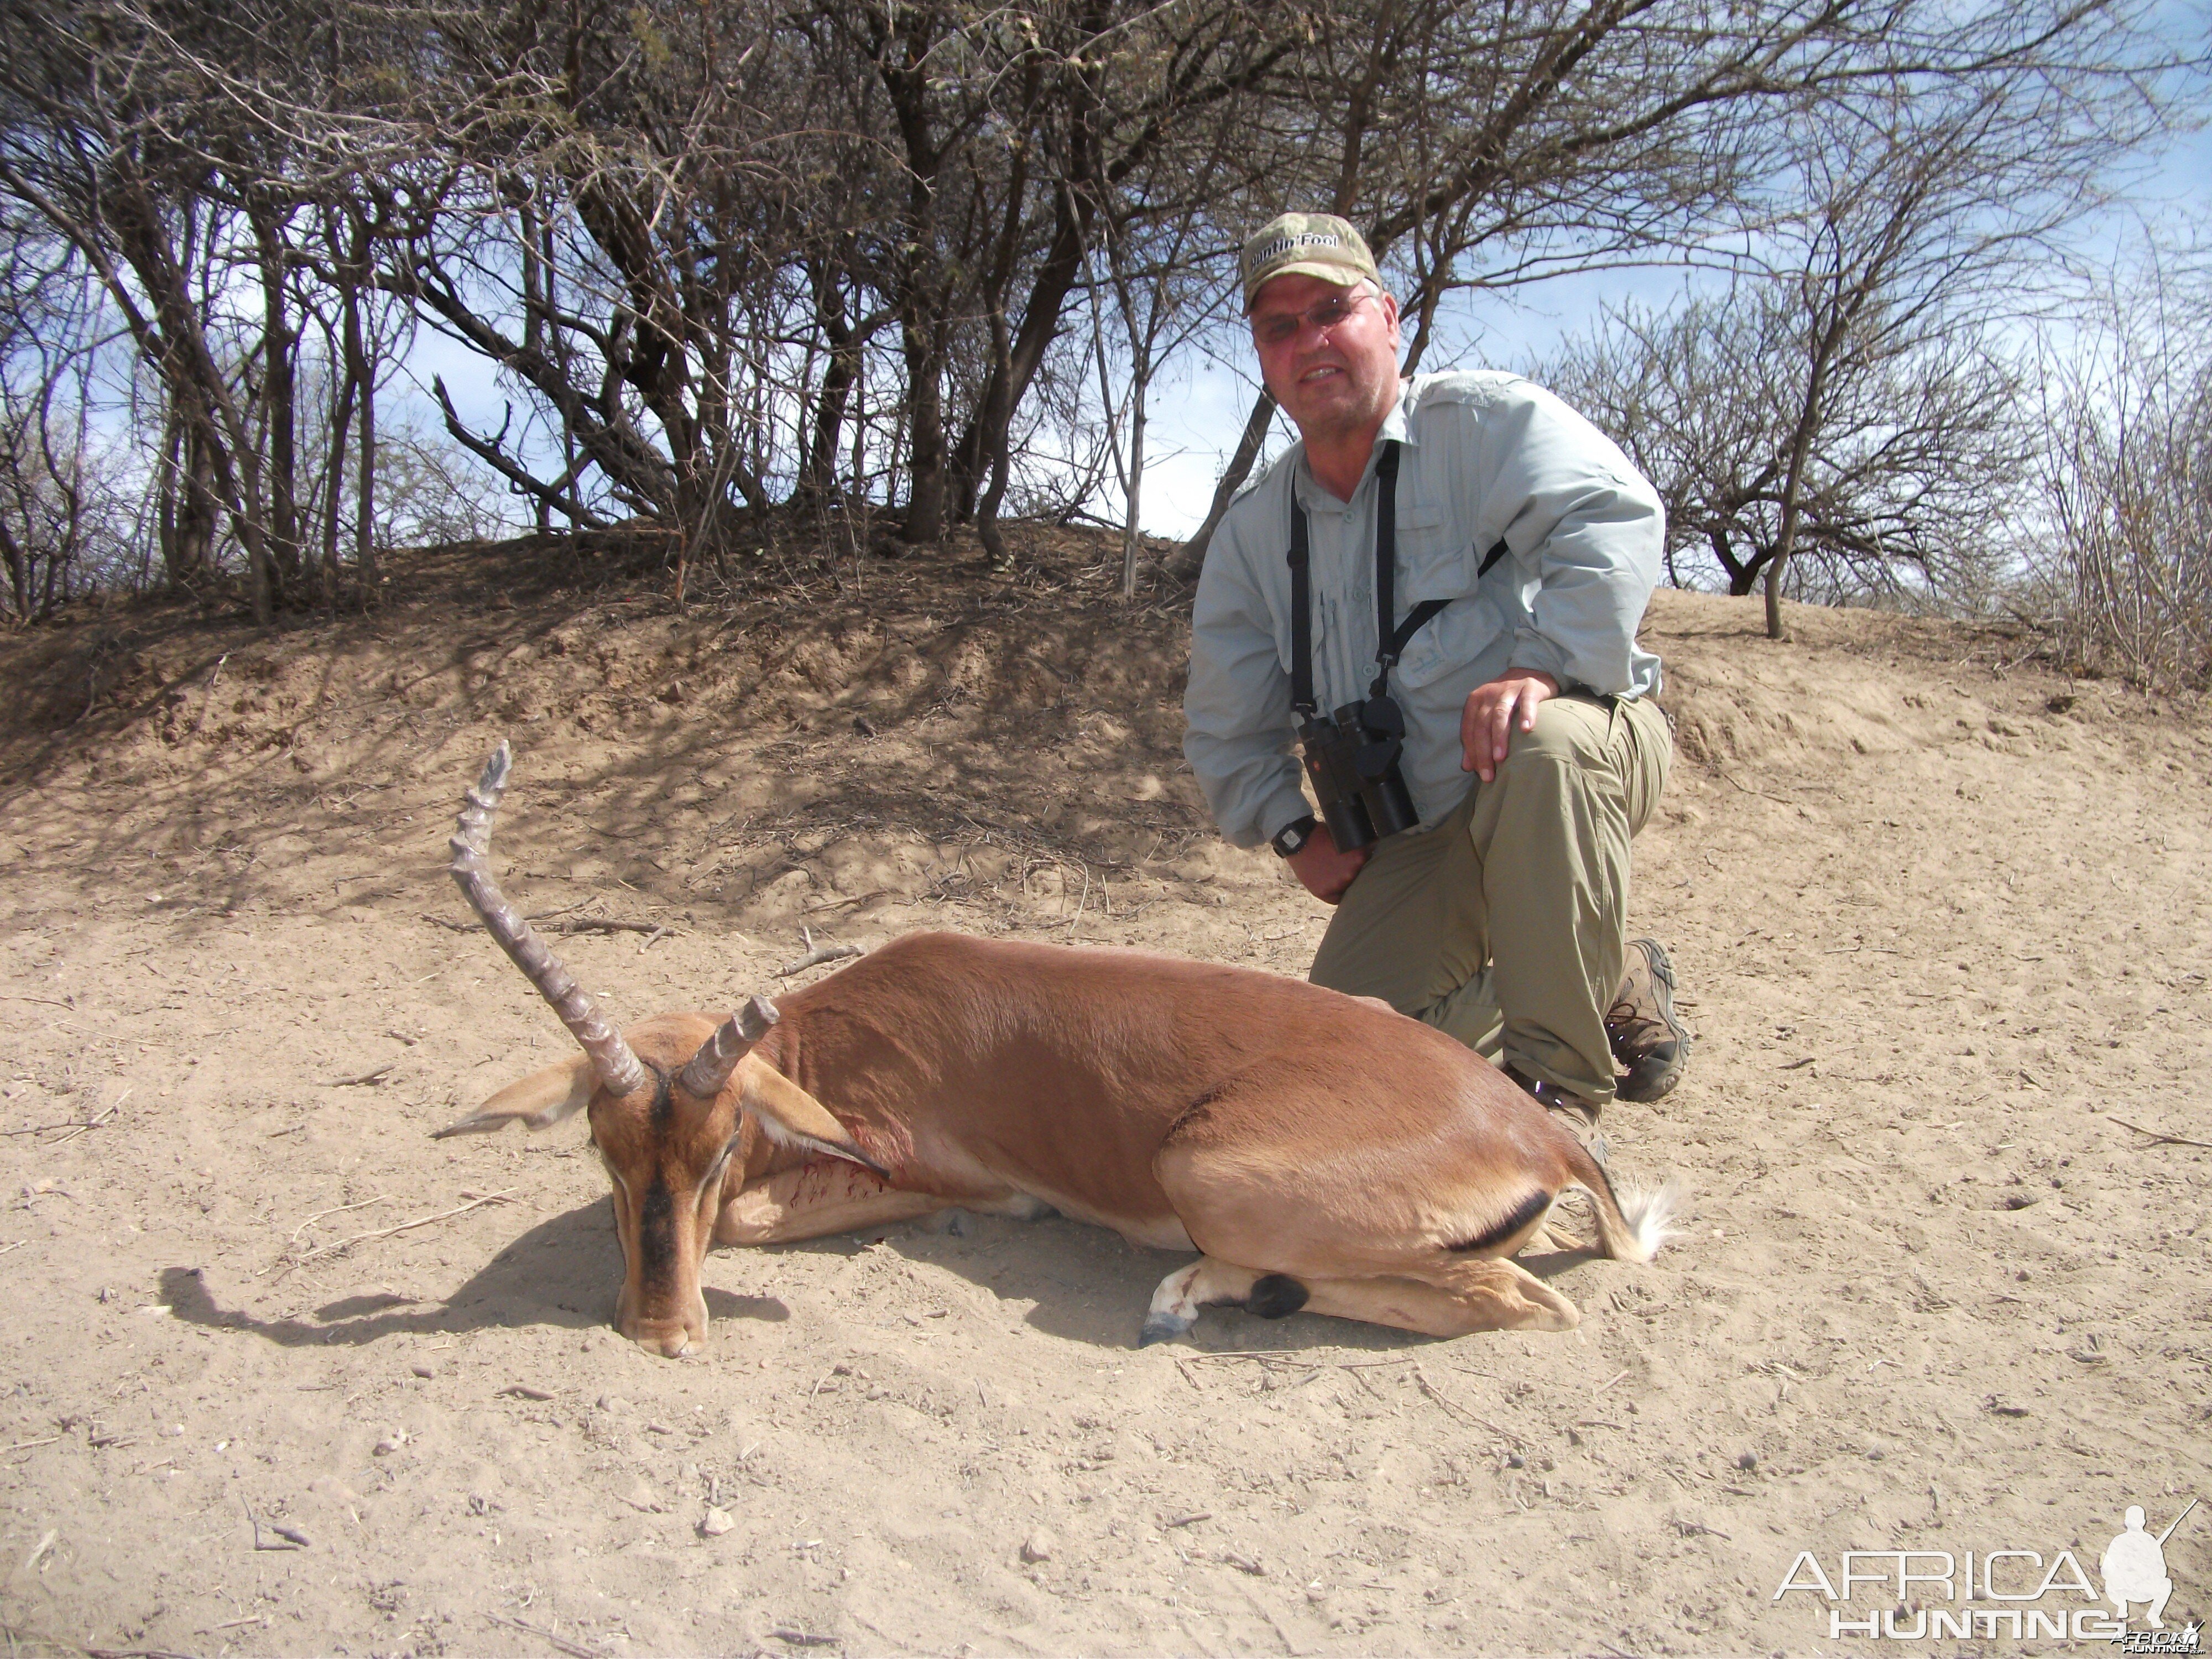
(1570, 732)
(1365, 968)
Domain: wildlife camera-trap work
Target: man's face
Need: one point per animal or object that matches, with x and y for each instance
(1332, 381)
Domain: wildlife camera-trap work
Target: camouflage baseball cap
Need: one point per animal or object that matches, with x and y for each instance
(1308, 245)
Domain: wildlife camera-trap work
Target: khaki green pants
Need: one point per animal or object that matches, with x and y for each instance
(1505, 925)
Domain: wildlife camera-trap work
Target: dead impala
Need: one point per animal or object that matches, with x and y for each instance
(1321, 1151)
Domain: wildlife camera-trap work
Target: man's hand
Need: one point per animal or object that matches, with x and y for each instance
(1325, 871)
(1485, 725)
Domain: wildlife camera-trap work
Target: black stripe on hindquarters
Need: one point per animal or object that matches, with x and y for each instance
(1275, 1296)
(1525, 1214)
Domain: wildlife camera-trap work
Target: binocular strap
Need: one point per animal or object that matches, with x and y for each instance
(1302, 690)
(1392, 639)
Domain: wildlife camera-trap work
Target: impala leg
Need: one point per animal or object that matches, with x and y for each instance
(817, 1198)
(1550, 1235)
(1485, 1295)
(1414, 1231)
(1208, 1282)
(1488, 1294)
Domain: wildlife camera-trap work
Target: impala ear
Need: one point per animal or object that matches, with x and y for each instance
(790, 1116)
(540, 1100)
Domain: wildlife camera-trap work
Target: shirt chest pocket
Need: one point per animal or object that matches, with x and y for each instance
(1434, 560)
(1280, 614)
(1451, 640)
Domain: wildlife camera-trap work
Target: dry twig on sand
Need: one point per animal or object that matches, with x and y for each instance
(366, 1080)
(574, 1650)
(289, 1538)
(340, 1246)
(75, 1123)
(816, 954)
(31, 1641)
(1265, 1356)
(2160, 1138)
(339, 1210)
(1453, 1409)
(545, 922)
(75, 1126)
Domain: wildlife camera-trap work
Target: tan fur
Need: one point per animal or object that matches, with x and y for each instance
(1281, 1128)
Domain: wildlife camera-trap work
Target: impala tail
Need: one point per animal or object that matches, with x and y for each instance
(1634, 1221)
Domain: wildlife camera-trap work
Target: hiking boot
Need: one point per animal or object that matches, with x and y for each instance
(1649, 1045)
(1579, 1115)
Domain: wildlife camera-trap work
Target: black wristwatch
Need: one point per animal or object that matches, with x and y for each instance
(1291, 838)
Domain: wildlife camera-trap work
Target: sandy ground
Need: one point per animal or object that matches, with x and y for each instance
(1942, 923)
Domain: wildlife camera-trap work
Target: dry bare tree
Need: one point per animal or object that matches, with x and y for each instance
(2122, 567)
(1904, 489)
(1924, 217)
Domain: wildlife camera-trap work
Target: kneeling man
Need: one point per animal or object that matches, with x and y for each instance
(1447, 570)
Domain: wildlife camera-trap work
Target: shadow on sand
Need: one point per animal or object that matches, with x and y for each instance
(1084, 1284)
(1088, 1284)
(562, 1273)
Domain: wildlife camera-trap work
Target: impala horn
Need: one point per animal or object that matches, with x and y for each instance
(612, 1059)
(733, 1039)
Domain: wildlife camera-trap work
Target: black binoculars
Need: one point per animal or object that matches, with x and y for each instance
(1353, 759)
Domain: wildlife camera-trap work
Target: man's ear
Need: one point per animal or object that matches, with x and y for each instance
(790, 1116)
(540, 1100)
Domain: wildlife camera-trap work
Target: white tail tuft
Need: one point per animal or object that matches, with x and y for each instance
(1649, 1212)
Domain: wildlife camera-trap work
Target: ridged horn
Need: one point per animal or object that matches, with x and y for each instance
(733, 1039)
(612, 1059)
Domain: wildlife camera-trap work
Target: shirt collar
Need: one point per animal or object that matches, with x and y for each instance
(1398, 424)
(1397, 427)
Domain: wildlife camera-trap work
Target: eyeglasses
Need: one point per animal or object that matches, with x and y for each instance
(1282, 327)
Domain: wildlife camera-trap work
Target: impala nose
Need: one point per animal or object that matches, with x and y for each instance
(672, 1336)
(670, 1341)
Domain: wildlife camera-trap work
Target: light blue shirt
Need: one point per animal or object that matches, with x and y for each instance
(1484, 455)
